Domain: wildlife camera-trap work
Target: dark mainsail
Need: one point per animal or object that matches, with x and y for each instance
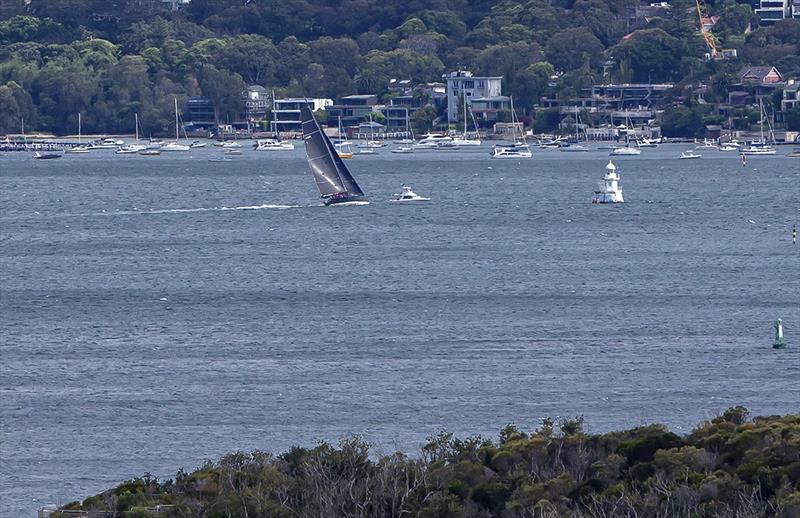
(334, 181)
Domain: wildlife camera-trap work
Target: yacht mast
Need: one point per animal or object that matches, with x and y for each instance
(79, 128)
(136, 118)
(176, 119)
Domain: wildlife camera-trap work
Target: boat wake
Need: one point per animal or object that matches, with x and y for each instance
(200, 209)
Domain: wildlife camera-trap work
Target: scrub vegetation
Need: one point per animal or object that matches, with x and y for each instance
(731, 466)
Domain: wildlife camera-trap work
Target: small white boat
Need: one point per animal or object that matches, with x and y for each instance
(371, 144)
(78, 149)
(795, 153)
(233, 152)
(130, 149)
(150, 152)
(608, 190)
(407, 195)
(273, 145)
(689, 155)
(403, 150)
(648, 143)
(466, 142)
(728, 147)
(625, 151)
(174, 146)
(197, 144)
(367, 151)
(511, 151)
(231, 144)
(573, 148)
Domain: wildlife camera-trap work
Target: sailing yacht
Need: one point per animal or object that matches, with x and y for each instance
(80, 148)
(175, 146)
(759, 147)
(130, 149)
(465, 140)
(335, 183)
(516, 149)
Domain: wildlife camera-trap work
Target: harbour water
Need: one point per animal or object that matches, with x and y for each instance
(158, 311)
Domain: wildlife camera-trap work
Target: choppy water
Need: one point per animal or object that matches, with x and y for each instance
(157, 311)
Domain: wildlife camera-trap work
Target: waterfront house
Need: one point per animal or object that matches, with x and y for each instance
(286, 113)
(791, 95)
(257, 101)
(487, 109)
(462, 84)
(353, 109)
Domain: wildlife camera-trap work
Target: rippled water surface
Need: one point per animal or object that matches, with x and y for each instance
(157, 311)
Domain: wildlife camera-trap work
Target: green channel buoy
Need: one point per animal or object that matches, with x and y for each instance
(780, 342)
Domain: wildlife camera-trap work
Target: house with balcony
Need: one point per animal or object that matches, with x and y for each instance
(353, 109)
(791, 95)
(463, 85)
(257, 101)
(199, 116)
(286, 113)
(487, 109)
(772, 11)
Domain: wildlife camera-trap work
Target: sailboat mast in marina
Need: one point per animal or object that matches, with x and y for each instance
(335, 183)
(176, 146)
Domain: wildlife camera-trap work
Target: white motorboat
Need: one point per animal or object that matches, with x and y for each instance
(608, 190)
(648, 143)
(174, 146)
(150, 152)
(625, 151)
(130, 149)
(403, 150)
(273, 145)
(689, 155)
(367, 151)
(433, 141)
(407, 195)
(573, 148)
(511, 151)
(231, 144)
(728, 147)
(78, 149)
(197, 144)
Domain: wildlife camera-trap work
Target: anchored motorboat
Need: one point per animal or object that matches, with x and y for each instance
(625, 151)
(273, 145)
(45, 156)
(403, 150)
(689, 155)
(608, 190)
(406, 195)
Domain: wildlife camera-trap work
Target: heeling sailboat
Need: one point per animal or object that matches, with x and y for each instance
(335, 183)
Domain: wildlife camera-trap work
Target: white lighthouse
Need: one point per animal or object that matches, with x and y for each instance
(608, 190)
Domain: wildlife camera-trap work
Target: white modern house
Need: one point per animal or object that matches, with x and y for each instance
(463, 84)
(286, 112)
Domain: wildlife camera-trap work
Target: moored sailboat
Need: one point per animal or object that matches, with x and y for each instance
(335, 183)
